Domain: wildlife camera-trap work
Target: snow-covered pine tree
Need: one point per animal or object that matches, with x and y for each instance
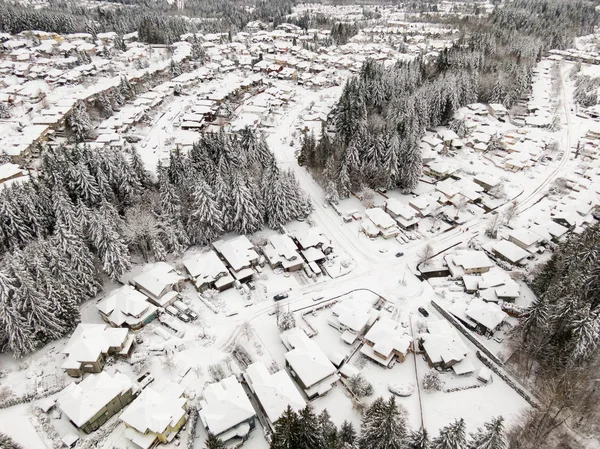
(79, 122)
(383, 426)
(20, 335)
(174, 68)
(348, 433)
(4, 111)
(206, 219)
(419, 439)
(104, 104)
(83, 184)
(453, 436)
(213, 442)
(246, 217)
(110, 247)
(286, 430)
(491, 436)
(307, 433)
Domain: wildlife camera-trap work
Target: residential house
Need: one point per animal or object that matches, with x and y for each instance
(156, 415)
(486, 181)
(488, 316)
(386, 225)
(127, 307)
(208, 271)
(442, 345)
(352, 318)
(274, 392)
(313, 238)
(468, 262)
(281, 252)
(93, 401)
(89, 346)
(308, 365)
(10, 172)
(160, 283)
(509, 252)
(385, 341)
(497, 110)
(404, 215)
(524, 238)
(226, 411)
(240, 255)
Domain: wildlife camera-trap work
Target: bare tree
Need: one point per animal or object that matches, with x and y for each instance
(247, 330)
(492, 229)
(510, 213)
(425, 254)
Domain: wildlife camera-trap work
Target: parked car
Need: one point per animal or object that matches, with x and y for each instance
(280, 296)
(171, 310)
(251, 285)
(400, 254)
(193, 315)
(145, 379)
(183, 317)
(423, 312)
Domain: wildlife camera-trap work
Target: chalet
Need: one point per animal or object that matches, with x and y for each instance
(438, 170)
(226, 411)
(307, 364)
(281, 252)
(240, 255)
(89, 346)
(208, 271)
(274, 392)
(93, 401)
(156, 415)
(385, 341)
(160, 283)
(127, 307)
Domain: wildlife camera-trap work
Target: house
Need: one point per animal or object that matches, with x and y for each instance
(385, 224)
(127, 307)
(313, 238)
(226, 411)
(160, 284)
(156, 415)
(497, 110)
(524, 238)
(488, 316)
(93, 401)
(352, 318)
(437, 169)
(89, 346)
(208, 271)
(468, 262)
(10, 172)
(442, 345)
(386, 340)
(509, 252)
(308, 365)
(240, 255)
(404, 215)
(281, 252)
(486, 181)
(274, 392)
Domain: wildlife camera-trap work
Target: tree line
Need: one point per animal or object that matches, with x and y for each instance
(90, 211)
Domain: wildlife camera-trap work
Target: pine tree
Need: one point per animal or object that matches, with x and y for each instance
(213, 442)
(491, 436)
(383, 426)
(285, 435)
(4, 111)
(104, 104)
(419, 440)
(7, 442)
(20, 335)
(307, 434)
(453, 436)
(206, 219)
(110, 247)
(348, 433)
(137, 165)
(79, 122)
(246, 217)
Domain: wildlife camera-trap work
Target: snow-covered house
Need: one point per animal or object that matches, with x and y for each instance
(91, 402)
(386, 340)
(524, 238)
(156, 415)
(488, 316)
(127, 307)
(240, 255)
(352, 318)
(468, 262)
(486, 181)
(226, 411)
(10, 172)
(281, 252)
(308, 365)
(208, 271)
(509, 252)
(386, 225)
(160, 283)
(497, 110)
(442, 345)
(404, 215)
(313, 238)
(90, 344)
(273, 391)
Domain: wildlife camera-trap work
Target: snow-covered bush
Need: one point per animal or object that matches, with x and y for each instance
(432, 381)
(286, 321)
(403, 390)
(360, 386)
(217, 373)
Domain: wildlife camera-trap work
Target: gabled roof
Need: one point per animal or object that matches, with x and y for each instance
(488, 314)
(124, 305)
(205, 268)
(386, 337)
(89, 341)
(80, 402)
(274, 391)
(157, 278)
(225, 405)
(307, 360)
(238, 252)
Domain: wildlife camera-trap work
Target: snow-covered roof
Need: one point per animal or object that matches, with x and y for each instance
(125, 305)
(281, 249)
(274, 391)
(89, 341)
(471, 260)
(442, 343)
(160, 276)
(524, 236)
(488, 314)
(8, 170)
(352, 314)
(510, 251)
(399, 209)
(387, 337)
(307, 360)
(225, 405)
(156, 408)
(380, 218)
(238, 252)
(206, 267)
(82, 401)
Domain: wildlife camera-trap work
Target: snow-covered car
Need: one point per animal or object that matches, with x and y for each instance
(171, 310)
(280, 296)
(403, 390)
(183, 317)
(193, 315)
